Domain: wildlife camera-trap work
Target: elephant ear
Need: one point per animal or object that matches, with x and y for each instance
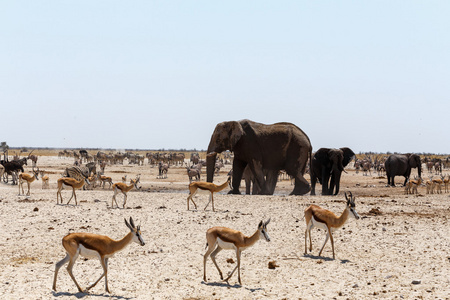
(348, 155)
(413, 160)
(235, 133)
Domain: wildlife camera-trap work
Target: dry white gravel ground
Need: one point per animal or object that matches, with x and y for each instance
(399, 249)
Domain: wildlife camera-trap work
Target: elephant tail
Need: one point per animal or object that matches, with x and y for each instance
(310, 159)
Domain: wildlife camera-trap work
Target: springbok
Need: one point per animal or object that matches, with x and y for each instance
(29, 178)
(103, 179)
(438, 182)
(92, 245)
(45, 180)
(73, 183)
(219, 238)
(206, 186)
(412, 184)
(124, 189)
(446, 182)
(324, 219)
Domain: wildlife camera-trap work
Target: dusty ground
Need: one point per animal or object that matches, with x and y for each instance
(399, 239)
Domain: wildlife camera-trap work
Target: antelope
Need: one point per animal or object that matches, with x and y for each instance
(438, 185)
(104, 179)
(430, 185)
(446, 182)
(411, 186)
(45, 180)
(124, 188)
(219, 238)
(206, 186)
(29, 179)
(324, 219)
(92, 183)
(124, 178)
(366, 165)
(75, 184)
(92, 245)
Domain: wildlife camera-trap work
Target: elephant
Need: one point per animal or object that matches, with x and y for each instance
(271, 147)
(327, 165)
(401, 164)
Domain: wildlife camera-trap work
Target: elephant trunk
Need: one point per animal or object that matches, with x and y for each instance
(210, 164)
(419, 170)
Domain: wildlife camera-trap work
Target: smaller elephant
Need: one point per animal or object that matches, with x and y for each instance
(271, 177)
(326, 166)
(401, 164)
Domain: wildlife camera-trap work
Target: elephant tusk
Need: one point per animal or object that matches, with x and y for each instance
(211, 154)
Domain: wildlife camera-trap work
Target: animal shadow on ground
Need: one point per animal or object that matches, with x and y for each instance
(318, 257)
(227, 285)
(222, 284)
(80, 295)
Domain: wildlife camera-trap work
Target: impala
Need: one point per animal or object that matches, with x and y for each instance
(324, 219)
(29, 178)
(92, 245)
(206, 186)
(219, 238)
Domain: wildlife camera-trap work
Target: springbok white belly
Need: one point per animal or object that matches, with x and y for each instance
(225, 245)
(88, 253)
(320, 225)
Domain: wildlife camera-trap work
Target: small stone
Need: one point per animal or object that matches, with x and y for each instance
(416, 282)
(36, 209)
(355, 286)
(273, 265)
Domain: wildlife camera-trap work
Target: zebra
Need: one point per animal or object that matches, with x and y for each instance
(79, 173)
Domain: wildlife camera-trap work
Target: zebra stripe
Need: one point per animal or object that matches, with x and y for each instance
(79, 173)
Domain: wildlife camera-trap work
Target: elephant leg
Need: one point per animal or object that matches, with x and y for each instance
(248, 185)
(392, 181)
(255, 187)
(301, 185)
(325, 180)
(313, 184)
(238, 169)
(271, 180)
(406, 180)
(258, 174)
(334, 183)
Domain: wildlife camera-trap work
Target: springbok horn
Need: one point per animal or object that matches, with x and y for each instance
(128, 224)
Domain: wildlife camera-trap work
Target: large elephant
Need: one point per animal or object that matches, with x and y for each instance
(326, 166)
(401, 164)
(280, 146)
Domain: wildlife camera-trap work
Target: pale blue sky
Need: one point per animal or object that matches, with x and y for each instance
(370, 75)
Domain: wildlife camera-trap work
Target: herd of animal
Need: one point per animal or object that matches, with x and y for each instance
(218, 238)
